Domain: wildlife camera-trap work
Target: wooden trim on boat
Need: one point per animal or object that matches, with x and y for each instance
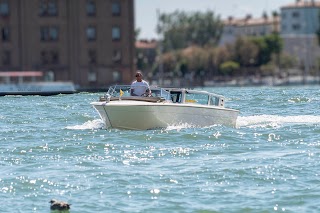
(135, 98)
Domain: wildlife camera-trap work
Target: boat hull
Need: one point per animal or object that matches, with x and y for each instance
(141, 116)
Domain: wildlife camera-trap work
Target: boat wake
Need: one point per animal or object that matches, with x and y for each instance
(94, 124)
(272, 121)
(275, 120)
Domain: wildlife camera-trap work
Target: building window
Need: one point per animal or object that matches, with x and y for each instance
(283, 16)
(44, 58)
(91, 8)
(296, 27)
(6, 57)
(4, 8)
(116, 57)
(48, 8)
(116, 33)
(54, 55)
(116, 8)
(92, 55)
(49, 57)
(5, 34)
(91, 33)
(49, 33)
(295, 14)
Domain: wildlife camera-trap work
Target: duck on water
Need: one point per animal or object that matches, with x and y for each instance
(59, 205)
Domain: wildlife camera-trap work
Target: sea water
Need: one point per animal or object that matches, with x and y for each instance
(56, 147)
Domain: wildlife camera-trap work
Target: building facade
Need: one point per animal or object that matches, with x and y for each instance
(146, 56)
(89, 42)
(299, 25)
(300, 18)
(248, 26)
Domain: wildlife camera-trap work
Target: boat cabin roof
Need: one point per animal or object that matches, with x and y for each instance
(21, 74)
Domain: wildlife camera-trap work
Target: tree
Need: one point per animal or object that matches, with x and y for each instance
(229, 67)
(286, 61)
(169, 61)
(137, 33)
(182, 29)
(220, 55)
(268, 45)
(245, 52)
(318, 31)
(196, 58)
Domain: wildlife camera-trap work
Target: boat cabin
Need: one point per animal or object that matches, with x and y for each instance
(19, 77)
(179, 95)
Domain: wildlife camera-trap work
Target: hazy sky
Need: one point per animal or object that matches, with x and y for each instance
(146, 10)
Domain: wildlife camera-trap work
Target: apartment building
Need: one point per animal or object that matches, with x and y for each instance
(299, 24)
(146, 56)
(249, 26)
(89, 42)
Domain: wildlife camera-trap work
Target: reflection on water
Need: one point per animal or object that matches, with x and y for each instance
(57, 148)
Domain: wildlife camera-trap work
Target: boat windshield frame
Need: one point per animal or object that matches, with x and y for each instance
(186, 96)
(114, 91)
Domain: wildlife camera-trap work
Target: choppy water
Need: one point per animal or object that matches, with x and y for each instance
(56, 147)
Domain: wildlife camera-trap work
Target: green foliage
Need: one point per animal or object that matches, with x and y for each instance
(286, 61)
(268, 45)
(283, 61)
(267, 69)
(318, 31)
(190, 39)
(182, 29)
(229, 67)
(274, 43)
(137, 33)
(245, 51)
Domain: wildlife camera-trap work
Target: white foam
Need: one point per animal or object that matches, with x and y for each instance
(94, 124)
(276, 120)
(178, 127)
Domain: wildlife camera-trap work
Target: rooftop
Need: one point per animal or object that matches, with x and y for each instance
(146, 44)
(21, 74)
(302, 4)
(249, 21)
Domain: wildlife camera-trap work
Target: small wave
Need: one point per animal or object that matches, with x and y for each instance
(95, 124)
(299, 100)
(276, 120)
(178, 127)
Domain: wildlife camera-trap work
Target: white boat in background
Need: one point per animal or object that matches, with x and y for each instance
(32, 83)
(166, 107)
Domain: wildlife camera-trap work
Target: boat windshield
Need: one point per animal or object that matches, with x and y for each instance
(204, 98)
(125, 91)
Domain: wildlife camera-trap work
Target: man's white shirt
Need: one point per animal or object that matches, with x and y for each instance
(139, 87)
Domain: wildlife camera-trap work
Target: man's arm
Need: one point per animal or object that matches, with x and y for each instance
(132, 90)
(148, 90)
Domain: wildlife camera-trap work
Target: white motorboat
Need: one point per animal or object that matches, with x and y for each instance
(31, 83)
(165, 107)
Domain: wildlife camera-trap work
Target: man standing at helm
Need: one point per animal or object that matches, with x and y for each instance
(140, 87)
